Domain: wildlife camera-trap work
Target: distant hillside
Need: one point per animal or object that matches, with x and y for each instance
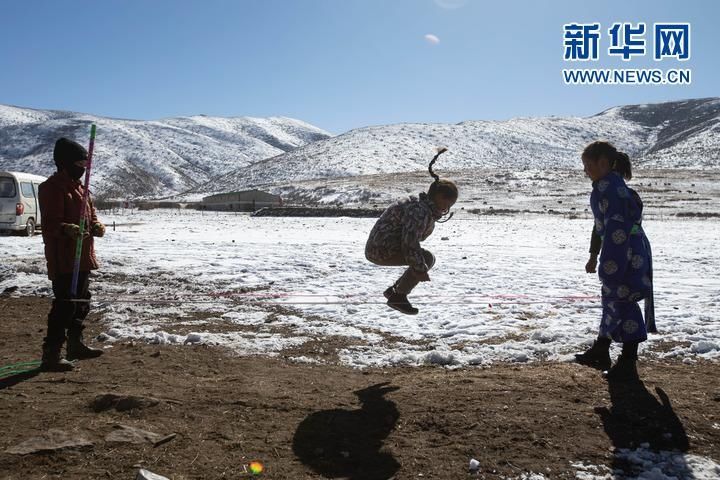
(683, 134)
(148, 158)
(193, 156)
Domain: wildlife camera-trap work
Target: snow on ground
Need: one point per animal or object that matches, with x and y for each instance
(649, 465)
(506, 288)
(549, 191)
(640, 464)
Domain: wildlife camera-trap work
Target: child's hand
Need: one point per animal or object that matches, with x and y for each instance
(423, 276)
(73, 231)
(98, 229)
(591, 265)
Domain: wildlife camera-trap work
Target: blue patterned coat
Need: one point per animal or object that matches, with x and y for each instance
(625, 264)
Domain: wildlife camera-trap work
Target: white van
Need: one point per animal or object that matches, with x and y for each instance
(19, 207)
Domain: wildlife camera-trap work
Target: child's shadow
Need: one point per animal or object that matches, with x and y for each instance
(346, 443)
(637, 417)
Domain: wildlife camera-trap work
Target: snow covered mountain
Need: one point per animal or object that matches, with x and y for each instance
(189, 157)
(687, 132)
(684, 134)
(136, 158)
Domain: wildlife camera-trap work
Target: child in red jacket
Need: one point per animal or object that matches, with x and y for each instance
(60, 199)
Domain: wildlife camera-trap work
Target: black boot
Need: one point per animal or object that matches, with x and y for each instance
(52, 360)
(626, 366)
(389, 292)
(597, 356)
(625, 369)
(399, 302)
(76, 349)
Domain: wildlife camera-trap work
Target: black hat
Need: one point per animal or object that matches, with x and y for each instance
(68, 152)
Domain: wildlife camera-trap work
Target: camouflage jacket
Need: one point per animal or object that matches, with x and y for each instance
(400, 230)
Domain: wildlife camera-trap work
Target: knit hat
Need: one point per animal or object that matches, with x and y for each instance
(67, 152)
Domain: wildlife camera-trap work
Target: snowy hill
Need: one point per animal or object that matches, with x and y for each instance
(687, 132)
(682, 134)
(148, 158)
(197, 155)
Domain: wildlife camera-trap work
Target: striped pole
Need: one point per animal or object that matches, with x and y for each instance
(83, 213)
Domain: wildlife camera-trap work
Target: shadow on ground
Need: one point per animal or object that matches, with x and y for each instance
(15, 378)
(347, 443)
(637, 419)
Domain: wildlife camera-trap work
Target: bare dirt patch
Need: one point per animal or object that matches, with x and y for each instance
(329, 421)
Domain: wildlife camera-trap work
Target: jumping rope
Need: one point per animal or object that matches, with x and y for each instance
(258, 302)
(20, 368)
(337, 295)
(19, 365)
(333, 299)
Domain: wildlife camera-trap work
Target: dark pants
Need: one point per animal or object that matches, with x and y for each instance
(65, 315)
(409, 280)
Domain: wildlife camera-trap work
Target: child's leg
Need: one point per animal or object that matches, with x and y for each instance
(76, 349)
(598, 355)
(632, 326)
(62, 310)
(56, 321)
(630, 350)
(59, 318)
(82, 309)
(410, 278)
(630, 331)
(610, 318)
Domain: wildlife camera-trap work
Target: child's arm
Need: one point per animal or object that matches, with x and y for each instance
(595, 243)
(595, 246)
(414, 224)
(97, 228)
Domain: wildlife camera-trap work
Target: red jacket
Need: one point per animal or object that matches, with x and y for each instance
(60, 199)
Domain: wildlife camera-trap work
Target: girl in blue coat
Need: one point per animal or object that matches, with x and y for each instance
(624, 267)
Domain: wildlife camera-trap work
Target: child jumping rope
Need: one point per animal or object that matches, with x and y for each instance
(395, 238)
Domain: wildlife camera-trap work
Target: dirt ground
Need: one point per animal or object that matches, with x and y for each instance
(308, 421)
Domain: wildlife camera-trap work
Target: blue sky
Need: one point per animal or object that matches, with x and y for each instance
(338, 64)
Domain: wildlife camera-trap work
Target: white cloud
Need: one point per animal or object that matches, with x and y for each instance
(432, 39)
